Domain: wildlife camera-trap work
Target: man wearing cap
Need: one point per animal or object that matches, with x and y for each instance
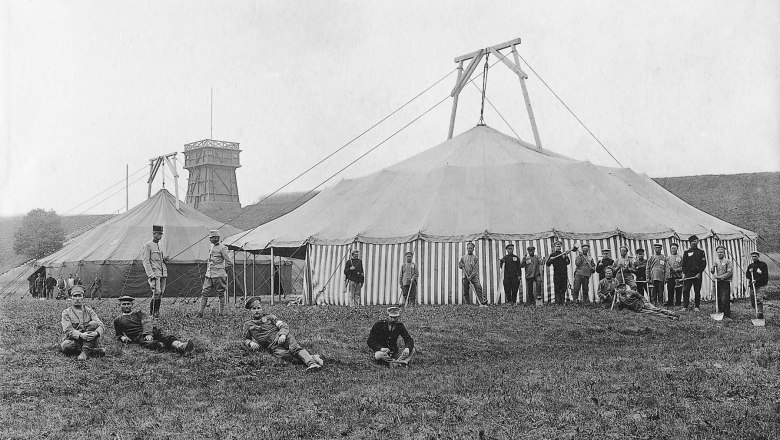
(655, 268)
(623, 268)
(673, 275)
(154, 265)
(272, 334)
(631, 300)
(383, 340)
(469, 264)
(560, 263)
(136, 327)
(50, 282)
(354, 277)
(511, 265)
(640, 275)
(584, 267)
(606, 289)
(407, 279)
(723, 270)
(533, 276)
(215, 281)
(604, 263)
(694, 262)
(758, 276)
(81, 328)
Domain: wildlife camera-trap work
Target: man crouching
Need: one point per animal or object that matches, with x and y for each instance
(383, 340)
(81, 328)
(273, 334)
(629, 299)
(136, 327)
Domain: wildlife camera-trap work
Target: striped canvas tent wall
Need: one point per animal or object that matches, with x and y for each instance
(440, 277)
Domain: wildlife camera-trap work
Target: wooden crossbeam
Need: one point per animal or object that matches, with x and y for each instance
(496, 47)
(467, 74)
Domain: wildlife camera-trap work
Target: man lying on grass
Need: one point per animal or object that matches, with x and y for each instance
(273, 334)
(81, 328)
(633, 301)
(383, 340)
(136, 327)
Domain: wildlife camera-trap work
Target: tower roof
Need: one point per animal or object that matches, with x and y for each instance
(211, 143)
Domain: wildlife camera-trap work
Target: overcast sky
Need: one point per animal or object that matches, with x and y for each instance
(671, 88)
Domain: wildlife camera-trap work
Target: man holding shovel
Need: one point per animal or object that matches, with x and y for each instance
(511, 265)
(408, 280)
(469, 264)
(694, 261)
(758, 276)
(723, 270)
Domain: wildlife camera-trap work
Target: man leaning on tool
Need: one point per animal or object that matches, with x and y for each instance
(757, 270)
(694, 262)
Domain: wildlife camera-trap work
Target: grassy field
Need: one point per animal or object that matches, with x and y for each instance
(503, 372)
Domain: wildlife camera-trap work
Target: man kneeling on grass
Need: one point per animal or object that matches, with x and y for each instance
(136, 327)
(81, 328)
(383, 340)
(635, 302)
(273, 334)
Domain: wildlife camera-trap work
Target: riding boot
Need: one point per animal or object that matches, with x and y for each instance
(203, 301)
(221, 305)
(306, 357)
(157, 303)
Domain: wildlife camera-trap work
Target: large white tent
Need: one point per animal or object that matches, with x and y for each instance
(490, 188)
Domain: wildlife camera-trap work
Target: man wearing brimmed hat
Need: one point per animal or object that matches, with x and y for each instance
(136, 327)
(81, 328)
(584, 267)
(694, 262)
(533, 276)
(723, 271)
(655, 270)
(757, 274)
(383, 340)
(631, 300)
(215, 281)
(560, 264)
(511, 265)
(272, 334)
(154, 264)
(673, 274)
(407, 279)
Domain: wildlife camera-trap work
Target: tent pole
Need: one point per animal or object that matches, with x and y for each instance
(234, 295)
(254, 258)
(307, 276)
(527, 100)
(272, 276)
(455, 102)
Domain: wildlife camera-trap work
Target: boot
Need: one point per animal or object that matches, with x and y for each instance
(183, 347)
(84, 355)
(202, 308)
(318, 359)
(221, 305)
(98, 352)
(157, 303)
(311, 364)
(760, 314)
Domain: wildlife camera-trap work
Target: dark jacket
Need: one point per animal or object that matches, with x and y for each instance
(693, 262)
(559, 264)
(381, 337)
(761, 271)
(355, 274)
(511, 265)
(603, 264)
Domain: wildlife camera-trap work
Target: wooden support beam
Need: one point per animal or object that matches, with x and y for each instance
(508, 63)
(455, 101)
(527, 101)
(467, 75)
(496, 47)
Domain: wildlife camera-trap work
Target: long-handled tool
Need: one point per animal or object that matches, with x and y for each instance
(758, 322)
(718, 315)
(614, 294)
(471, 283)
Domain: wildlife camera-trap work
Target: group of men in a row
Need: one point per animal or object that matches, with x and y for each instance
(42, 287)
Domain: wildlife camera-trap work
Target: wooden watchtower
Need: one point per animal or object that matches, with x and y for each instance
(212, 181)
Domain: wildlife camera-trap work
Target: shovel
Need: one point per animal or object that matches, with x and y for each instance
(718, 315)
(756, 322)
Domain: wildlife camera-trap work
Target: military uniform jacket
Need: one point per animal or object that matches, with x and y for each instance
(693, 262)
(674, 267)
(265, 330)
(533, 266)
(219, 258)
(559, 264)
(382, 337)
(152, 256)
(135, 326)
(74, 322)
(656, 267)
(408, 274)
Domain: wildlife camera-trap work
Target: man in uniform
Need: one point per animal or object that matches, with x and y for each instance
(70, 283)
(354, 277)
(673, 274)
(154, 265)
(723, 270)
(639, 265)
(136, 327)
(694, 262)
(606, 290)
(96, 288)
(49, 283)
(631, 300)
(61, 288)
(560, 263)
(623, 268)
(584, 266)
(604, 263)
(469, 264)
(511, 265)
(215, 281)
(758, 276)
(407, 279)
(272, 334)
(383, 340)
(81, 328)
(655, 268)
(533, 276)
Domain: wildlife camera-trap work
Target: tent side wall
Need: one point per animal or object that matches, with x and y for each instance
(440, 277)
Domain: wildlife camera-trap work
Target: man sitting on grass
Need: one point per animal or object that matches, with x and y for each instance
(81, 328)
(606, 289)
(633, 301)
(272, 334)
(136, 327)
(383, 340)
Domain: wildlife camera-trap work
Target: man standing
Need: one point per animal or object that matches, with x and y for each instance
(49, 283)
(606, 290)
(623, 268)
(511, 265)
(723, 270)
(272, 334)
(584, 267)
(604, 263)
(694, 262)
(533, 276)
(96, 288)
(383, 340)
(354, 278)
(61, 287)
(758, 276)
(560, 263)
(655, 268)
(215, 281)
(154, 264)
(469, 264)
(136, 327)
(40, 291)
(639, 266)
(408, 280)
(673, 274)
(81, 328)
(71, 282)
